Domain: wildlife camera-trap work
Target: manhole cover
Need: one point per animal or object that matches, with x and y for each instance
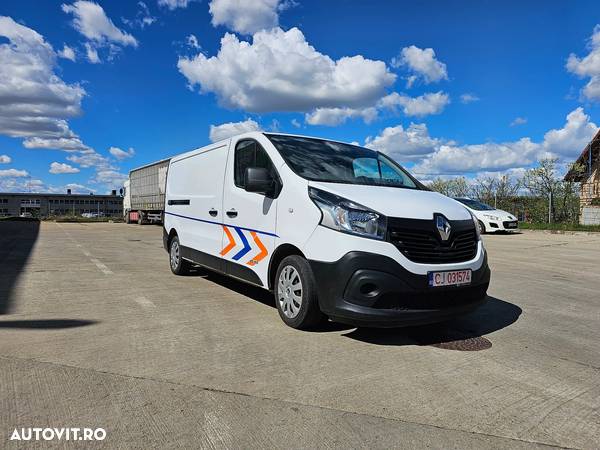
(472, 344)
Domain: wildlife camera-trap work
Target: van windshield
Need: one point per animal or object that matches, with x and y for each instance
(334, 162)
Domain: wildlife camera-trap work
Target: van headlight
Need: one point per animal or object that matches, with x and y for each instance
(348, 217)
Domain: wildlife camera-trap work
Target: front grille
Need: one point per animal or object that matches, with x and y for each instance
(510, 224)
(420, 241)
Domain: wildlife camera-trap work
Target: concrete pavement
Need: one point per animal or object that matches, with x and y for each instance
(96, 330)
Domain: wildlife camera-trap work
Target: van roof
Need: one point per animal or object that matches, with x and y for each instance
(249, 134)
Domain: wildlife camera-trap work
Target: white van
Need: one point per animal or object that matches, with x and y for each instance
(334, 230)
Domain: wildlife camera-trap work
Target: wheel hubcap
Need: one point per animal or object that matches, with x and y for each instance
(289, 291)
(174, 255)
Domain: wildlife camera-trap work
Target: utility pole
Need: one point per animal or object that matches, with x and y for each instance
(550, 207)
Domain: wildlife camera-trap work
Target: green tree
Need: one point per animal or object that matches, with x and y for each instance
(562, 197)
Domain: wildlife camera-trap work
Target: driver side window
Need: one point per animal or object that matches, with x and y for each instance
(250, 154)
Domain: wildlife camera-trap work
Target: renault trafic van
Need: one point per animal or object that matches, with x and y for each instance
(334, 230)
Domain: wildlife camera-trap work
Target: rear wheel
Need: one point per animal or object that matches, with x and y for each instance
(140, 220)
(179, 266)
(296, 294)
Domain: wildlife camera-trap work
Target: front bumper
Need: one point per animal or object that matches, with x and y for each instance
(506, 225)
(366, 289)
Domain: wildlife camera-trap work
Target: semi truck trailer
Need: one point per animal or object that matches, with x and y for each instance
(144, 193)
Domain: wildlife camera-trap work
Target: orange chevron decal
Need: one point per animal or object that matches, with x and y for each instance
(231, 244)
(263, 250)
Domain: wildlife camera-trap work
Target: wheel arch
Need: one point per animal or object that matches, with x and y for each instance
(280, 252)
(170, 237)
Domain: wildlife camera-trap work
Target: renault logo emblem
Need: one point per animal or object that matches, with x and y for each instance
(443, 227)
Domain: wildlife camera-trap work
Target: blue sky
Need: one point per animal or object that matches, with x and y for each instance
(446, 88)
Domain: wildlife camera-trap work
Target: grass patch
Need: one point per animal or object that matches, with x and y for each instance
(558, 227)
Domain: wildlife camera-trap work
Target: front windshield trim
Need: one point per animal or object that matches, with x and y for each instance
(379, 155)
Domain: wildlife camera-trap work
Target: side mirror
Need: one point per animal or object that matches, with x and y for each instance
(258, 179)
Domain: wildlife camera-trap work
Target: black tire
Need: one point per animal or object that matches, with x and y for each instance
(308, 315)
(481, 227)
(127, 218)
(179, 266)
(140, 220)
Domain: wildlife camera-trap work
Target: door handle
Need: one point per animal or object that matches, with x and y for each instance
(232, 213)
(213, 212)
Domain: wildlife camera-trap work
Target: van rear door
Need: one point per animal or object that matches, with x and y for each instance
(250, 217)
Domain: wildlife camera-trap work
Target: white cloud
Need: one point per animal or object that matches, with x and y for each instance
(59, 168)
(588, 66)
(296, 123)
(35, 101)
(142, 19)
(226, 130)
(174, 4)
(455, 159)
(5, 159)
(243, 16)
(412, 143)
(280, 71)
(91, 53)
(518, 121)
(91, 21)
(337, 116)
(570, 140)
(67, 53)
(67, 144)
(192, 41)
(565, 143)
(110, 178)
(422, 63)
(423, 105)
(21, 184)
(13, 173)
(468, 98)
(121, 154)
(91, 158)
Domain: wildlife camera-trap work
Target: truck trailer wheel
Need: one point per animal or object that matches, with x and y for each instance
(179, 266)
(296, 294)
(140, 220)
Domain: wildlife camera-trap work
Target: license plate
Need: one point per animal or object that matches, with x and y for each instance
(511, 225)
(449, 278)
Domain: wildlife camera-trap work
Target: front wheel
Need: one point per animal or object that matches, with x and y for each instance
(179, 266)
(481, 227)
(296, 294)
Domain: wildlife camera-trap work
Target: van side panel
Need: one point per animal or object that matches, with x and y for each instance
(194, 206)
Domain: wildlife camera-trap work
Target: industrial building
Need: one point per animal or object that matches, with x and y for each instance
(45, 205)
(587, 172)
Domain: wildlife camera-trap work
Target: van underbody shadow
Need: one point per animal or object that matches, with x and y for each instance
(464, 333)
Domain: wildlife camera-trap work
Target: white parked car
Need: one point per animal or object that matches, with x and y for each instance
(490, 219)
(334, 230)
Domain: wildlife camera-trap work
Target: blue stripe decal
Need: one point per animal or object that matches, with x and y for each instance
(222, 224)
(246, 248)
